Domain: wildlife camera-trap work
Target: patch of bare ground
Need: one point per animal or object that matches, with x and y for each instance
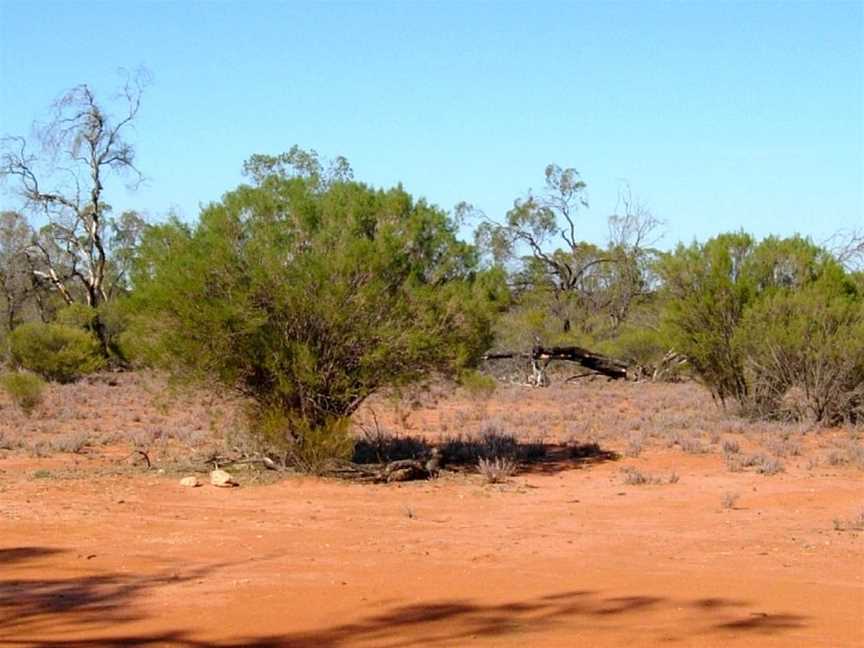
(98, 550)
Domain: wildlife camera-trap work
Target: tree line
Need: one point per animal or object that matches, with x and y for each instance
(308, 290)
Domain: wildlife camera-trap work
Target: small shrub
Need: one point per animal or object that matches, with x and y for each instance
(836, 458)
(73, 443)
(477, 384)
(25, 389)
(497, 470)
(634, 445)
(316, 448)
(783, 447)
(730, 446)
(54, 351)
(770, 466)
(692, 445)
(729, 500)
(633, 477)
(734, 462)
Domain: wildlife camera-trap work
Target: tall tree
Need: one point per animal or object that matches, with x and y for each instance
(81, 145)
(16, 283)
(542, 231)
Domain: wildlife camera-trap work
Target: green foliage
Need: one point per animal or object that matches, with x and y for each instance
(636, 345)
(24, 388)
(757, 321)
(77, 315)
(708, 288)
(54, 351)
(478, 385)
(804, 353)
(311, 297)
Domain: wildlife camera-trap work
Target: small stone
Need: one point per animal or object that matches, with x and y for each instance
(222, 479)
(191, 482)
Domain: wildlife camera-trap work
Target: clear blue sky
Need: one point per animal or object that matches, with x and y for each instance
(720, 115)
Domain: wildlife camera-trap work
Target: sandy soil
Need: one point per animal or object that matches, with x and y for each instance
(97, 551)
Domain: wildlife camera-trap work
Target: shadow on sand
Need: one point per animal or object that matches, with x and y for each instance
(93, 610)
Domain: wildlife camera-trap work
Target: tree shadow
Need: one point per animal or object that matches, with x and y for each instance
(11, 555)
(461, 453)
(33, 606)
(38, 611)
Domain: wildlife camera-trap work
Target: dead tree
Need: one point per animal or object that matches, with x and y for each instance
(64, 184)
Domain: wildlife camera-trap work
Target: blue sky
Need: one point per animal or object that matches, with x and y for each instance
(719, 115)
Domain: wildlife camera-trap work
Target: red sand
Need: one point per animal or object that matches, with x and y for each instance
(563, 555)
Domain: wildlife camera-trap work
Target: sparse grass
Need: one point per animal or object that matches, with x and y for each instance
(730, 446)
(8, 443)
(634, 477)
(734, 462)
(782, 447)
(42, 474)
(635, 445)
(770, 466)
(497, 470)
(729, 500)
(855, 523)
(73, 442)
(692, 445)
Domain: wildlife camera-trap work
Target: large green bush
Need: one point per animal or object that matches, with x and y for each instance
(708, 288)
(774, 325)
(310, 297)
(804, 352)
(55, 351)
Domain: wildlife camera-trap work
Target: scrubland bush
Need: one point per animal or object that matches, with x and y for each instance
(55, 351)
(804, 354)
(778, 326)
(24, 388)
(309, 295)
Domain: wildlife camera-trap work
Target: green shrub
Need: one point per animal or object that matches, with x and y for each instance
(804, 354)
(24, 388)
(309, 298)
(708, 290)
(477, 384)
(80, 316)
(54, 351)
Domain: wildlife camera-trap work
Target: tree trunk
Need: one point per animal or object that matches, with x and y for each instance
(597, 362)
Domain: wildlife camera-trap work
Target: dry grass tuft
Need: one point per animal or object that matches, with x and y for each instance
(497, 470)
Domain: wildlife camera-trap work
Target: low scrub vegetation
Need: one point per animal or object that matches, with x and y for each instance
(55, 351)
(497, 470)
(25, 389)
(307, 292)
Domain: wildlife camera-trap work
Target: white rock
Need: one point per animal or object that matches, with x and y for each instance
(222, 479)
(192, 482)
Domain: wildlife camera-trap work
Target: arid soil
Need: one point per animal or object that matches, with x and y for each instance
(98, 550)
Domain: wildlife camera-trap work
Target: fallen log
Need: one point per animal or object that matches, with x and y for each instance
(597, 362)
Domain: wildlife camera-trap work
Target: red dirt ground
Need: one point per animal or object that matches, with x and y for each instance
(97, 552)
